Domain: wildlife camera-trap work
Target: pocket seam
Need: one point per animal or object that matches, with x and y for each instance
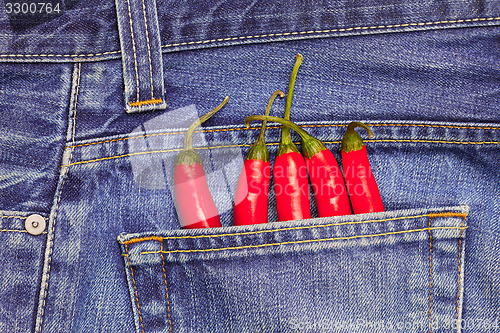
(227, 129)
(305, 241)
(158, 238)
(430, 274)
(135, 288)
(458, 276)
(277, 143)
(166, 287)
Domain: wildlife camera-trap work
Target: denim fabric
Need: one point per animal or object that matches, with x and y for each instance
(423, 75)
(141, 55)
(386, 271)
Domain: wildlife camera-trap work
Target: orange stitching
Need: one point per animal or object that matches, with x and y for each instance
(438, 126)
(150, 101)
(432, 141)
(277, 127)
(166, 288)
(458, 276)
(142, 239)
(332, 30)
(170, 133)
(135, 289)
(277, 143)
(449, 214)
(125, 155)
(306, 241)
(430, 274)
(160, 151)
(65, 177)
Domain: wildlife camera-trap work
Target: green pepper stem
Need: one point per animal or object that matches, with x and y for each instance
(310, 145)
(303, 134)
(262, 133)
(285, 132)
(354, 124)
(188, 138)
(352, 141)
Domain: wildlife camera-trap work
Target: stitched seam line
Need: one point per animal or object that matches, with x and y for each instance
(13, 230)
(277, 143)
(149, 49)
(305, 241)
(277, 127)
(431, 141)
(158, 238)
(51, 241)
(268, 35)
(60, 55)
(18, 217)
(74, 113)
(133, 49)
(166, 288)
(458, 276)
(140, 103)
(158, 151)
(135, 288)
(377, 27)
(430, 274)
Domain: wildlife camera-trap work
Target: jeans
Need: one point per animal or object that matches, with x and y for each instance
(95, 101)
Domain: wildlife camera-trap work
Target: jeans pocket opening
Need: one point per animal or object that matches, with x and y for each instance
(288, 276)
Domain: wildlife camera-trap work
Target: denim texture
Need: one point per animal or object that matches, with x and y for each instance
(141, 55)
(314, 275)
(423, 75)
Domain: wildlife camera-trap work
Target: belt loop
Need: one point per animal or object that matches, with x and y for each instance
(141, 55)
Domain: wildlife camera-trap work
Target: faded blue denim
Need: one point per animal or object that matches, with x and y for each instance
(423, 75)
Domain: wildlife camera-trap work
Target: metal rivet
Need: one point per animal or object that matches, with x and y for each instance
(35, 224)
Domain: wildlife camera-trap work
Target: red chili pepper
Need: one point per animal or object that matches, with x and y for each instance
(362, 187)
(252, 192)
(329, 188)
(291, 187)
(289, 172)
(195, 205)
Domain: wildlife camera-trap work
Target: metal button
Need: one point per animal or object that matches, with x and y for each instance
(35, 224)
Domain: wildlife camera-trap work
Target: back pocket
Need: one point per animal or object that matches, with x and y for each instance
(381, 272)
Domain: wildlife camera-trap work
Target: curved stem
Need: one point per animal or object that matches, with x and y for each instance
(262, 133)
(354, 124)
(303, 134)
(188, 138)
(285, 132)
